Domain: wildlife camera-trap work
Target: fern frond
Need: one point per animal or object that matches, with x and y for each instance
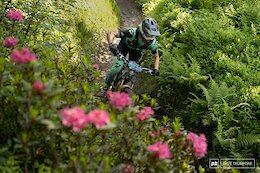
(232, 131)
(239, 105)
(228, 113)
(236, 154)
(220, 127)
(225, 143)
(197, 100)
(206, 93)
(246, 140)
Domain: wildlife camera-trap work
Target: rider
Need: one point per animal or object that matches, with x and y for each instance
(132, 42)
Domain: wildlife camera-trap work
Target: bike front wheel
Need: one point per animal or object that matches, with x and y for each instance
(128, 91)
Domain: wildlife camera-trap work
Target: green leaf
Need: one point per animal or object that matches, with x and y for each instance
(50, 124)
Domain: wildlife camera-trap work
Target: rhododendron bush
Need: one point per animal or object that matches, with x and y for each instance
(51, 119)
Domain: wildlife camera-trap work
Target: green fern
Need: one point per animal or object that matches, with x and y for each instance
(228, 143)
(206, 93)
(224, 140)
(246, 140)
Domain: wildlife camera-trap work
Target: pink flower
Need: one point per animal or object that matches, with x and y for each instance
(199, 144)
(15, 15)
(23, 56)
(10, 42)
(96, 66)
(128, 168)
(155, 134)
(120, 100)
(145, 113)
(108, 94)
(75, 118)
(99, 118)
(164, 130)
(192, 136)
(160, 150)
(38, 87)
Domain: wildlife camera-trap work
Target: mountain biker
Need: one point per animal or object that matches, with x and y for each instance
(132, 42)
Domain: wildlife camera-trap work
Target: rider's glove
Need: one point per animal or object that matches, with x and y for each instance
(155, 72)
(112, 48)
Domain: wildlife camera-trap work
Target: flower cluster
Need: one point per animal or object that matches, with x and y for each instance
(15, 15)
(159, 133)
(77, 119)
(119, 100)
(38, 87)
(25, 55)
(96, 66)
(199, 144)
(10, 42)
(160, 150)
(128, 168)
(99, 118)
(145, 113)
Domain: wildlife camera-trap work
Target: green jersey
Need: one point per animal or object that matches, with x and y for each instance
(133, 39)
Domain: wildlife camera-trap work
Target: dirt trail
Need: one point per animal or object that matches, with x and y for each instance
(130, 12)
(131, 16)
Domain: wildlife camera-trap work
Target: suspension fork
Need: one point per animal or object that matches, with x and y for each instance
(118, 81)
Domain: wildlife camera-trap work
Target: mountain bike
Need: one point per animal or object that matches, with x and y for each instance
(124, 81)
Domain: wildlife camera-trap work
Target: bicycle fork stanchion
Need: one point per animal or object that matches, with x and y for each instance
(116, 68)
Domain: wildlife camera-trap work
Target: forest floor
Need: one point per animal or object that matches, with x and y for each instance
(131, 16)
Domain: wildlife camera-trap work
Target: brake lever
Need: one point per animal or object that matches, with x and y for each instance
(148, 71)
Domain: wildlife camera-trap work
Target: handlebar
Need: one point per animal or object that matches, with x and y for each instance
(120, 56)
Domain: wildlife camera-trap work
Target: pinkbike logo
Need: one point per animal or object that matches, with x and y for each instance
(229, 163)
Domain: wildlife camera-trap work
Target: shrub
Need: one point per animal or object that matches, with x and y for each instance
(210, 47)
(51, 119)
